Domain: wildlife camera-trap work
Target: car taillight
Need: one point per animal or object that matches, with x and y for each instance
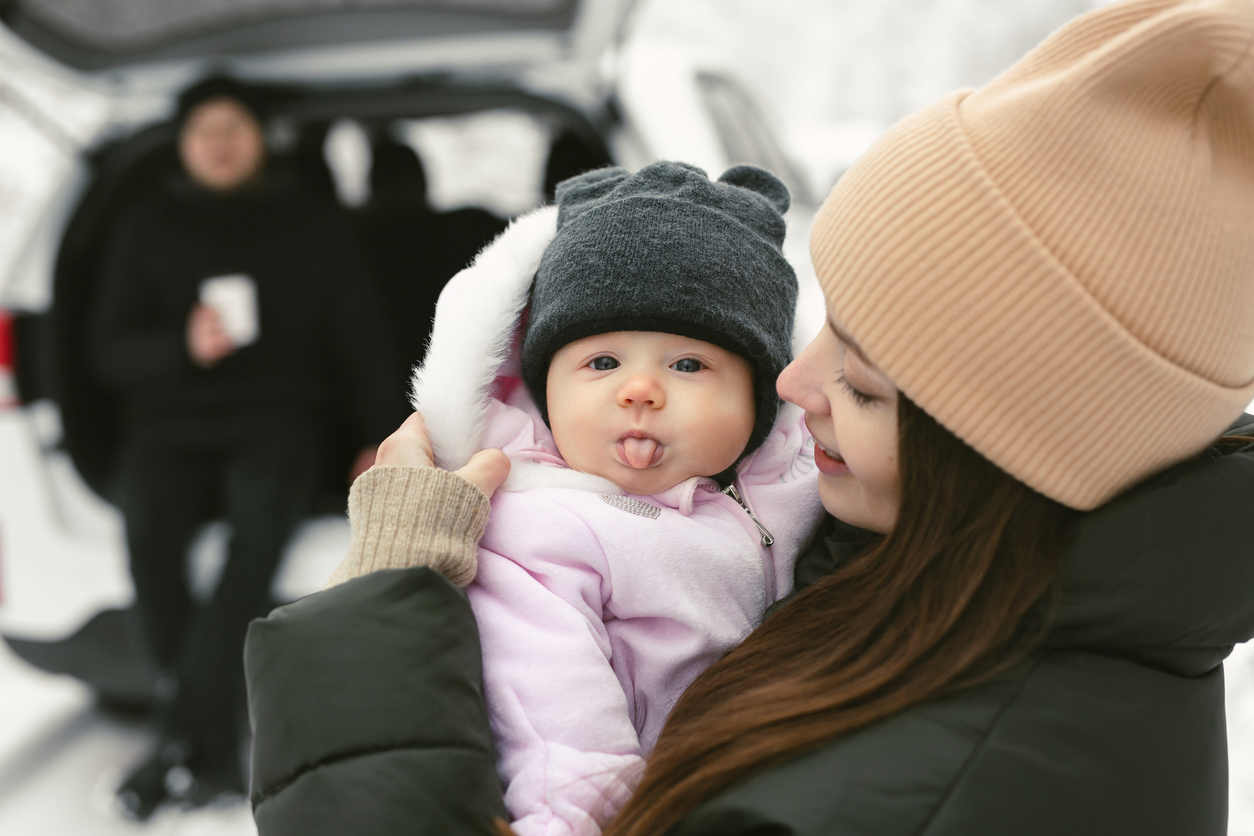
(8, 385)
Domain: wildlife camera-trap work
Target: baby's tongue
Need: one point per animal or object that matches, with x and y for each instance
(639, 452)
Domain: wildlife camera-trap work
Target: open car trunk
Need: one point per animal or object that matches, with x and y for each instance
(94, 35)
(102, 651)
(131, 167)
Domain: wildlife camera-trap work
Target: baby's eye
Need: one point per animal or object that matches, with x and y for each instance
(604, 364)
(687, 365)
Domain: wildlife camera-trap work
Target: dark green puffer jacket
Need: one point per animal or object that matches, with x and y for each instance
(368, 713)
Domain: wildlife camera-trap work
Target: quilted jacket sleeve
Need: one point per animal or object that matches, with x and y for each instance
(367, 709)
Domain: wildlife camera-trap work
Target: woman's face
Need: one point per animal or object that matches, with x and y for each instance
(851, 410)
(221, 145)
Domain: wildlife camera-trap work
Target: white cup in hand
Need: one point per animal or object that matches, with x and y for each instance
(234, 298)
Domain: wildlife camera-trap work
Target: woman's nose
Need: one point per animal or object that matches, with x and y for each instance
(642, 390)
(801, 381)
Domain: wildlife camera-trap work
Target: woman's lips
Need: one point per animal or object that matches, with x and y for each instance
(827, 463)
(639, 451)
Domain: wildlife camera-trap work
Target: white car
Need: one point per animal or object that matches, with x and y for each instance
(87, 94)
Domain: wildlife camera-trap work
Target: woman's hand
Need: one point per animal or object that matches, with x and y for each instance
(409, 446)
(207, 340)
(405, 514)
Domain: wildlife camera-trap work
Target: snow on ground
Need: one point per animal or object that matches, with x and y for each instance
(61, 759)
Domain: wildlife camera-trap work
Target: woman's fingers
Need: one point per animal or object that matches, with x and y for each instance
(207, 340)
(486, 470)
(409, 446)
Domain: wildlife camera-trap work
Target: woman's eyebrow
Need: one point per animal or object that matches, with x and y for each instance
(844, 337)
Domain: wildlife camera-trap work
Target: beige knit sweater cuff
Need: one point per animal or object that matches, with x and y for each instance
(413, 516)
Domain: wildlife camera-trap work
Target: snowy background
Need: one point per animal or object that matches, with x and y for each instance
(833, 75)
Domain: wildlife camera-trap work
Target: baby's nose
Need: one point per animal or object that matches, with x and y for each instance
(642, 390)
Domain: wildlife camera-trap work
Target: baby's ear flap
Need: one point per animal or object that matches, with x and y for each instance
(576, 193)
(761, 181)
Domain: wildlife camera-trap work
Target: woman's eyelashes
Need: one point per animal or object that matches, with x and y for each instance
(603, 364)
(859, 397)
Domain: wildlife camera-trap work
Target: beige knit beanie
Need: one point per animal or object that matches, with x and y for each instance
(1059, 267)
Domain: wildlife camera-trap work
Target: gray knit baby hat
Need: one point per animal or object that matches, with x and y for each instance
(668, 250)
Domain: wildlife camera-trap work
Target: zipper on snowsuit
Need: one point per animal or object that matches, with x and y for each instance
(731, 491)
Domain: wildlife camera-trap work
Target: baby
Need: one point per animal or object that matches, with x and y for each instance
(659, 494)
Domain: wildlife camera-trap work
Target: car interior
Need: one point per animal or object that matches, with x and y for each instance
(125, 169)
(398, 230)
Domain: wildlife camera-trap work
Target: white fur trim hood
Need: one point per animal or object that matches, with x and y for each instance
(473, 336)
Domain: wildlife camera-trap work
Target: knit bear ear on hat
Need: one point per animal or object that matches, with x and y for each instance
(761, 181)
(666, 249)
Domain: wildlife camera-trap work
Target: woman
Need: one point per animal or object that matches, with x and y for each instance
(1041, 318)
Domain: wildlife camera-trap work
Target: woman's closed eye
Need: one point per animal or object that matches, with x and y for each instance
(603, 364)
(687, 365)
(859, 397)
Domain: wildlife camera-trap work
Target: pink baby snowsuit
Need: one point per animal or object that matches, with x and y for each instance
(595, 609)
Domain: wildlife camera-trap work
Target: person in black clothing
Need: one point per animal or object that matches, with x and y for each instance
(229, 408)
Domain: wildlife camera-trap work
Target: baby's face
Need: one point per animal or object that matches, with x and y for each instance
(648, 410)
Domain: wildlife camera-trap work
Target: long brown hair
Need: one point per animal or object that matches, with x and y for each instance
(958, 590)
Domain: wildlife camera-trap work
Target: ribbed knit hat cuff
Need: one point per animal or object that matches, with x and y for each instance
(947, 290)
